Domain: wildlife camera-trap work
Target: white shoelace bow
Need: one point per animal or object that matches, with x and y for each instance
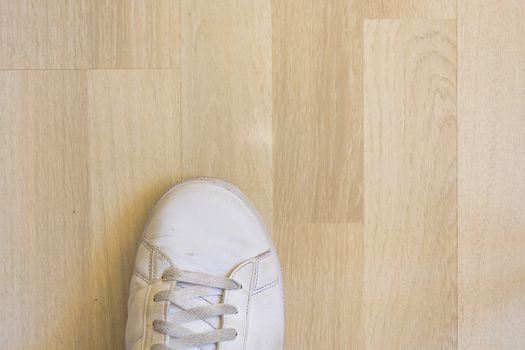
(202, 285)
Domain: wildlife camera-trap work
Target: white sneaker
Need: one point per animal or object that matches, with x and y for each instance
(206, 275)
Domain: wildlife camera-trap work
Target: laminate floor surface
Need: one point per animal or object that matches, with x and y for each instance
(383, 142)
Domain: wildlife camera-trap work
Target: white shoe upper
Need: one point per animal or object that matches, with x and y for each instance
(205, 229)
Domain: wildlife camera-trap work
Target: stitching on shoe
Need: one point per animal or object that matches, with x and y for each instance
(265, 287)
(154, 264)
(151, 255)
(142, 277)
(144, 318)
(247, 308)
(259, 259)
(253, 281)
(148, 278)
(155, 279)
(264, 255)
(157, 254)
(158, 251)
(164, 256)
(144, 312)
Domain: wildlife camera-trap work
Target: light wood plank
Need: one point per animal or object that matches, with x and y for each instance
(76, 196)
(44, 212)
(409, 9)
(226, 95)
(492, 175)
(410, 282)
(322, 269)
(89, 34)
(40, 34)
(317, 97)
(269, 96)
(135, 34)
(135, 147)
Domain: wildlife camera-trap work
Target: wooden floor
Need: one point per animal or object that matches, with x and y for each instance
(384, 142)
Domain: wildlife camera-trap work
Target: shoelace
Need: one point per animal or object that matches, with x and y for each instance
(200, 286)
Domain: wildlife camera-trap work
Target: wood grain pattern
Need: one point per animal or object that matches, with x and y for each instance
(409, 9)
(89, 34)
(44, 217)
(86, 160)
(226, 95)
(322, 269)
(317, 112)
(410, 185)
(135, 34)
(38, 34)
(491, 175)
(337, 118)
(134, 156)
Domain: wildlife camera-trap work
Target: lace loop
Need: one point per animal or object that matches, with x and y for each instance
(201, 285)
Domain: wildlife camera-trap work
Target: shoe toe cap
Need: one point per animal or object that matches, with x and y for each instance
(207, 226)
